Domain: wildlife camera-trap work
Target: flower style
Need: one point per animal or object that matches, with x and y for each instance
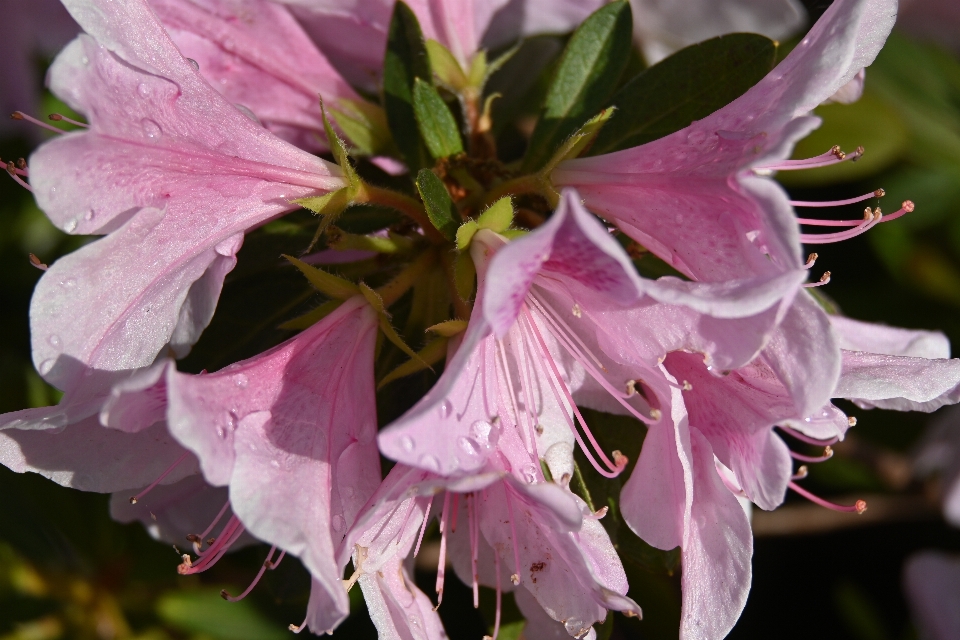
(704, 206)
(291, 432)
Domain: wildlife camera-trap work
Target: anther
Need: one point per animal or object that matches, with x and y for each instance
(577, 313)
(57, 117)
(687, 386)
(20, 115)
(827, 454)
(858, 507)
(631, 388)
(655, 414)
(599, 513)
(851, 421)
(211, 540)
(134, 499)
(824, 279)
(35, 261)
(515, 578)
(835, 150)
(802, 472)
(619, 459)
(192, 537)
(811, 260)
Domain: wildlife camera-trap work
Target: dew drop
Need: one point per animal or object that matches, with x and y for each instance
(54, 341)
(275, 464)
(486, 434)
(70, 226)
(150, 128)
(430, 463)
(245, 110)
(85, 60)
(89, 215)
(241, 380)
(221, 433)
(407, 443)
(45, 367)
(230, 422)
(529, 473)
(446, 407)
(338, 522)
(143, 89)
(69, 282)
(469, 446)
(228, 44)
(194, 64)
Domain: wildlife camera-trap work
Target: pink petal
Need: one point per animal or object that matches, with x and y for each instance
(397, 607)
(905, 384)
(736, 414)
(257, 55)
(538, 625)
(654, 500)
(89, 457)
(892, 341)
(297, 451)
(137, 402)
(573, 246)
(716, 553)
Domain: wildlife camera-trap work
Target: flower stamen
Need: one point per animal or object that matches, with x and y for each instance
(136, 498)
(858, 507)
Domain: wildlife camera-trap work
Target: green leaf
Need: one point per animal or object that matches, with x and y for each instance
(689, 85)
(437, 125)
(464, 275)
(436, 200)
(498, 217)
(326, 283)
(406, 60)
(445, 66)
(365, 125)
(595, 57)
(434, 352)
(465, 234)
(207, 613)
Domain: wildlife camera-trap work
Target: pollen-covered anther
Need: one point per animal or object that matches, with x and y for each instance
(811, 260)
(802, 472)
(565, 479)
(851, 421)
(539, 429)
(655, 414)
(224, 594)
(599, 513)
(35, 261)
(619, 459)
(185, 566)
(133, 499)
(879, 193)
(192, 537)
(687, 386)
(211, 540)
(576, 311)
(861, 506)
(515, 578)
(828, 452)
(835, 150)
(631, 388)
(824, 279)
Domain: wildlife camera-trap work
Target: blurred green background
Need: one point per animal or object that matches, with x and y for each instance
(68, 571)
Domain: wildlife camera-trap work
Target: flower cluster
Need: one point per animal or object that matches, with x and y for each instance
(203, 125)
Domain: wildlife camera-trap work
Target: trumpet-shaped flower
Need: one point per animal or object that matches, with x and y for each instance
(172, 173)
(292, 433)
(696, 197)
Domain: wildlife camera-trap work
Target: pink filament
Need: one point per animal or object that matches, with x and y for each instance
(824, 279)
(826, 238)
(163, 475)
(813, 459)
(474, 543)
(859, 507)
(496, 620)
(423, 527)
(203, 536)
(557, 379)
(453, 515)
(836, 203)
(831, 157)
(513, 532)
(20, 115)
(56, 117)
(266, 564)
(442, 565)
(230, 534)
(809, 440)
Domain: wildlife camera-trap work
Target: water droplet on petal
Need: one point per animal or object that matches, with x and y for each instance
(194, 64)
(529, 473)
(45, 367)
(487, 434)
(151, 129)
(143, 89)
(446, 407)
(228, 44)
(275, 464)
(430, 463)
(241, 380)
(85, 61)
(70, 226)
(469, 446)
(245, 110)
(54, 341)
(69, 282)
(338, 522)
(407, 443)
(221, 433)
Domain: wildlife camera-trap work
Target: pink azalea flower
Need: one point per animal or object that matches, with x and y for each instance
(728, 420)
(697, 198)
(663, 27)
(172, 173)
(256, 54)
(291, 432)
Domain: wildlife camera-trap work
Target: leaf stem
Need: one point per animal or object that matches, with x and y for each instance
(531, 183)
(406, 205)
(403, 281)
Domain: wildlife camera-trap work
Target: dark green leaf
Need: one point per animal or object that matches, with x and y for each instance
(591, 64)
(436, 199)
(406, 60)
(687, 86)
(437, 125)
(207, 613)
